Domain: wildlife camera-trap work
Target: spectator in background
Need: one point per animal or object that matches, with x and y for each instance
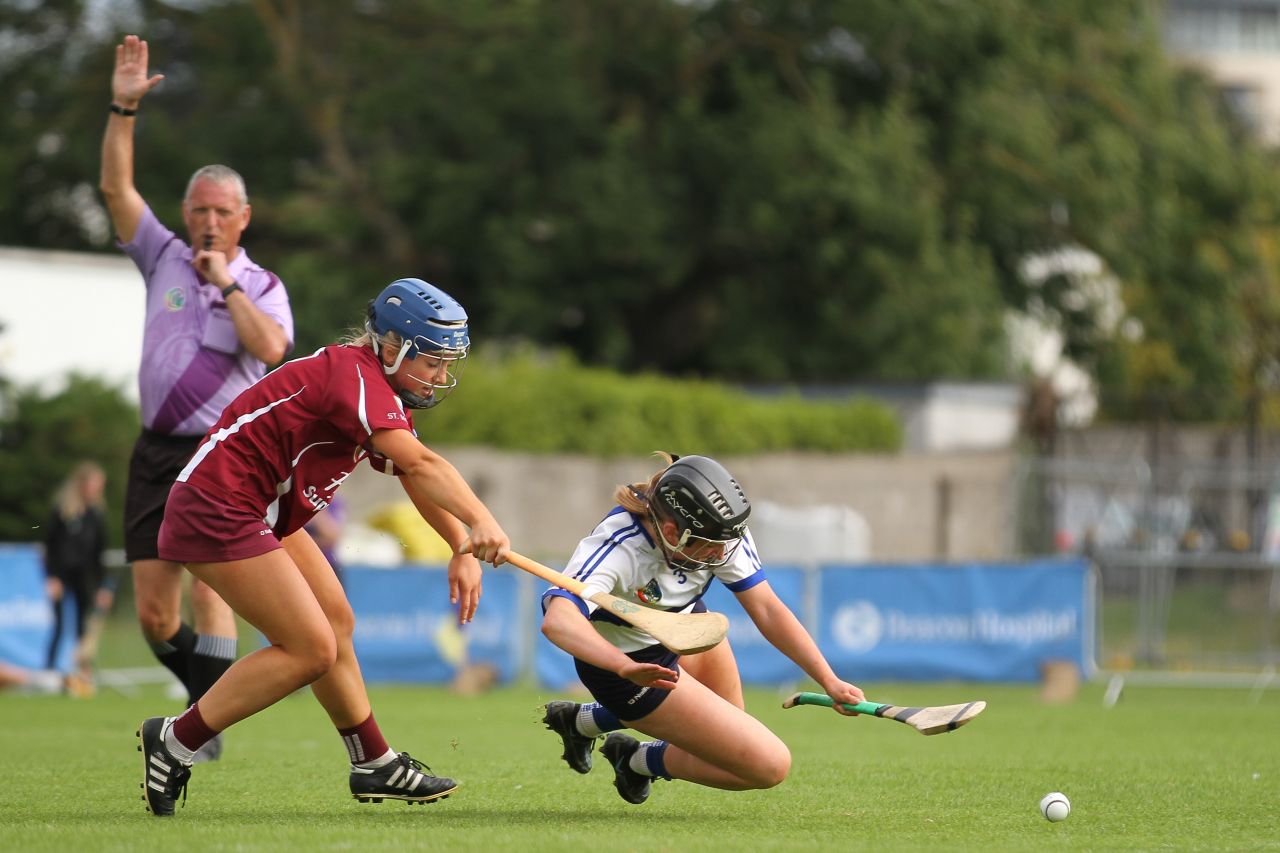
(215, 320)
(43, 681)
(74, 538)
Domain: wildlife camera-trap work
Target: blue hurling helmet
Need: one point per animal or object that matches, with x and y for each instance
(430, 322)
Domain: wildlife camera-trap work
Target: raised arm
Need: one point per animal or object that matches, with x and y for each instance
(129, 83)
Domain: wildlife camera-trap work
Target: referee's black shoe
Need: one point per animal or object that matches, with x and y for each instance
(562, 718)
(163, 776)
(402, 778)
(632, 786)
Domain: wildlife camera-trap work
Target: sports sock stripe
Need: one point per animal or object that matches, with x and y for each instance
(355, 750)
(655, 758)
(209, 645)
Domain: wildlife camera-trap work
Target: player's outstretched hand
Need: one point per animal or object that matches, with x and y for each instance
(464, 585)
(488, 543)
(650, 675)
(845, 694)
(129, 81)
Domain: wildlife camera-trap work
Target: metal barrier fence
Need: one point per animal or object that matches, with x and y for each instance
(1189, 562)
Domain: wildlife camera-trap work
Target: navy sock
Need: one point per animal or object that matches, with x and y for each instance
(594, 719)
(651, 759)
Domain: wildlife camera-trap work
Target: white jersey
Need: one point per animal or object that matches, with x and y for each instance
(620, 558)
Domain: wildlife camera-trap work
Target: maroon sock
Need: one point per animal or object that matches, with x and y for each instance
(191, 730)
(364, 742)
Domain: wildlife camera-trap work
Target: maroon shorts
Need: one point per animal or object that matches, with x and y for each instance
(200, 529)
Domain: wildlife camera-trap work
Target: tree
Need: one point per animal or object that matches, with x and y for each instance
(754, 190)
(42, 437)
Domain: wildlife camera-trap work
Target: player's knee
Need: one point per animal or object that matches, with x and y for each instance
(315, 665)
(158, 622)
(316, 655)
(772, 768)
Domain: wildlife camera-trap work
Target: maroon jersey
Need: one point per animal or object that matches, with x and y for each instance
(288, 441)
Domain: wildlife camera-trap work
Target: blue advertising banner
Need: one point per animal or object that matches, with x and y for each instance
(553, 667)
(986, 622)
(758, 661)
(26, 617)
(406, 630)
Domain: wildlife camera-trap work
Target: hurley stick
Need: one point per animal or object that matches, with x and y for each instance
(926, 720)
(682, 633)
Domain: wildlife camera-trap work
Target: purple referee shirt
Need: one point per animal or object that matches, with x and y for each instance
(193, 364)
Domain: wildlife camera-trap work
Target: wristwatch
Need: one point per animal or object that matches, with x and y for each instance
(231, 288)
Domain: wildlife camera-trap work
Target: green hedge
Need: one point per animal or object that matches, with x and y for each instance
(551, 404)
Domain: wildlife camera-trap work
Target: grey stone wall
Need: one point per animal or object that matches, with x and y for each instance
(954, 506)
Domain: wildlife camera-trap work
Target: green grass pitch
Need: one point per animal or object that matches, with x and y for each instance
(1164, 769)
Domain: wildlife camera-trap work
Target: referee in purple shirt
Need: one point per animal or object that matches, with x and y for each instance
(215, 321)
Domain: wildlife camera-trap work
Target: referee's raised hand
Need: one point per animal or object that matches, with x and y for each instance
(129, 81)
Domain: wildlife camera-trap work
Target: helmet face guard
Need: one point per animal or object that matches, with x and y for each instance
(430, 323)
(692, 552)
(709, 511)
(445, 369)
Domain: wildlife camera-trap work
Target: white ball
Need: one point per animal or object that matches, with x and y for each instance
(1055, 806)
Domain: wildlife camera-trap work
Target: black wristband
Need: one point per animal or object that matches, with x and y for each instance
(122, 111)
(233, 287)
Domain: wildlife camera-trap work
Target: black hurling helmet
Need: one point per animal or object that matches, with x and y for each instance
(709, 508)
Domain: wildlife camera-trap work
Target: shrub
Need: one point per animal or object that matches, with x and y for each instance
(521, 400)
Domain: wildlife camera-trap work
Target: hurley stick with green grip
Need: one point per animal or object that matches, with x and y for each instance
(926, 720)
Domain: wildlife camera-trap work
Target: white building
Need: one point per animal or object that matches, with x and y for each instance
(940, 417)
(70, 312)
(937, 417)
(1238, 43)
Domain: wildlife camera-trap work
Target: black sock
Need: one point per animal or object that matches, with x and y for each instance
(212, 657)
(51, 661)
(175, 653)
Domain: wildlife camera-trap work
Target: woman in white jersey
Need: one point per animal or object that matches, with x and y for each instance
(662, 546)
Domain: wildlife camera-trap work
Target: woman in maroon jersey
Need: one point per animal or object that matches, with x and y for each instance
(235, 519)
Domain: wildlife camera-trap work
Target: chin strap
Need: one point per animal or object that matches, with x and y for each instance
(377, 350)
(668, 553)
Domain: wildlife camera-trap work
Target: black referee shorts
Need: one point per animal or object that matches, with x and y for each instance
(156, 462)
